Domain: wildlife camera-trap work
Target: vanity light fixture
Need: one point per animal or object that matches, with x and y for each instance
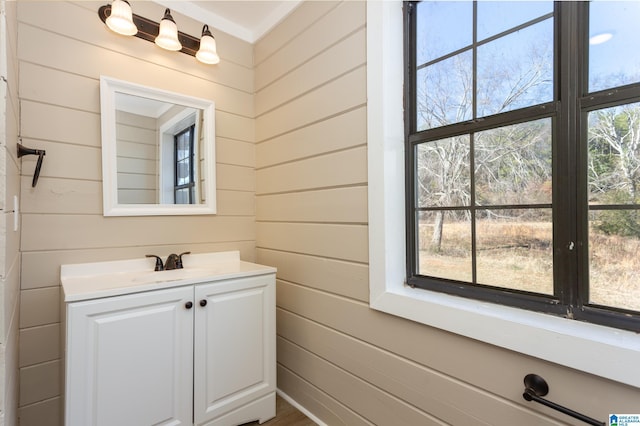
(119, 18)
(208, 53)
(168, 33)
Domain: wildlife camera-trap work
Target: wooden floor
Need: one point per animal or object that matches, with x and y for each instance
(286, 415)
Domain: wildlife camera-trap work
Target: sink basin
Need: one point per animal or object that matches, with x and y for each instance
(172, 275)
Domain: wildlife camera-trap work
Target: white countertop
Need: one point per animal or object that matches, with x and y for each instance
(85, 281)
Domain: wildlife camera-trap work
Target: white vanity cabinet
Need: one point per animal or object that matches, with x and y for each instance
(235, 357)
(192, 351)
(129, 360)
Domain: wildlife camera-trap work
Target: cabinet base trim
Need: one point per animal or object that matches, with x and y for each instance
(261, 409)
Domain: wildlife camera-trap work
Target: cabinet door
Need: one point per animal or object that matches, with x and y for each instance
(129, 360)
(234, 359)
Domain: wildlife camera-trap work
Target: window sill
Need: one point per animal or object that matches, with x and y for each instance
(594, 349)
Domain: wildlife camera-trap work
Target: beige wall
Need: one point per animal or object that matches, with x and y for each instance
(137, 158)
(346, 363)
(9, 239)
(63, 49)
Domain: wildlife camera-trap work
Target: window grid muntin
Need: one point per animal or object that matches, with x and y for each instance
(487, 40)
(474, 49)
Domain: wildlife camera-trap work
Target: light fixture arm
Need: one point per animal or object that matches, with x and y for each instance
(148, 30)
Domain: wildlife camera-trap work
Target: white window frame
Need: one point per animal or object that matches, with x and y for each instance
(166, 142)
(603, 351)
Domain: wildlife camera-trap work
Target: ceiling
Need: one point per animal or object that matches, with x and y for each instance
(246, 19)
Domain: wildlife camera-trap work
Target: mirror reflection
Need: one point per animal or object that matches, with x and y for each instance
(157, 151)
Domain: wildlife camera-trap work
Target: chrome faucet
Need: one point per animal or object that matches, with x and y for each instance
(174, 261)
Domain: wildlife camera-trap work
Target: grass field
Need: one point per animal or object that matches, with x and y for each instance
(519, 256)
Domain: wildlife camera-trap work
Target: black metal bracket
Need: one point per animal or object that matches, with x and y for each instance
(535, 387)
(148, 30)
(22, 150)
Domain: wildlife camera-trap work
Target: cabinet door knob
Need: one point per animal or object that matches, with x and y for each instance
(203, 302)
(188, 305)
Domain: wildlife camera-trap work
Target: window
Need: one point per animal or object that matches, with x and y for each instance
(179, 157)
(184, 182)
(523, 155)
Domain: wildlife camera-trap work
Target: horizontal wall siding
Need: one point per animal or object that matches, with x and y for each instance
(329, 64)
(10, 240)
(62, 219)
(137, 158)
(343, 205)
(311, 173)
(345, 92)
(334, 133)
(346, 363)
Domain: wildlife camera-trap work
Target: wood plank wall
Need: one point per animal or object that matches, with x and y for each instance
(9, 240)
(63, 50)
(346, 363)
(137, 158)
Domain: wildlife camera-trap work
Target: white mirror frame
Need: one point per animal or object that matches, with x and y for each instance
(108, 89)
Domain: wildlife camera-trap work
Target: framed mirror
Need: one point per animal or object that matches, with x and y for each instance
(158, 151)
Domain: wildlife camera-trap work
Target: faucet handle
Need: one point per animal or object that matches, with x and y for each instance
(179, 262)
(159, 265)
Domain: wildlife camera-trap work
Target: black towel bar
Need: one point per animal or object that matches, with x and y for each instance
(535, 387)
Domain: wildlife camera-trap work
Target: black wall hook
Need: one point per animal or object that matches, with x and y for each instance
(22, 150)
